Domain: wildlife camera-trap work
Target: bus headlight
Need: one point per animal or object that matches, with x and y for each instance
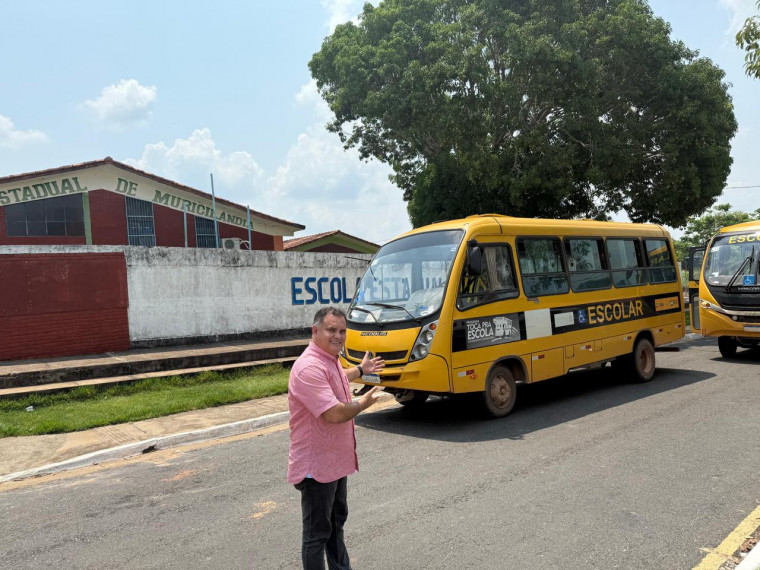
(421, 347)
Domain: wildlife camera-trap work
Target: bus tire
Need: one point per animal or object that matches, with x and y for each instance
(643, 360)
(500, 393)
(411, 399)
(727, 346)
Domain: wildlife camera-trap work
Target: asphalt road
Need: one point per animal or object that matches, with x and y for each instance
(588, 472)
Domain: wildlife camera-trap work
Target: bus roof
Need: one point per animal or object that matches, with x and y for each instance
(500, 224)
(743, 227)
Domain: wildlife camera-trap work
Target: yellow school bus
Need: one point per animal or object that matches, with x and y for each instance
(729, 288)
(483, 303)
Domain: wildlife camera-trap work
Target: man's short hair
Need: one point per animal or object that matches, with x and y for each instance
(324, 311)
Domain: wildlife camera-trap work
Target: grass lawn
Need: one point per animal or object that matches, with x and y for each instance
(86, 407)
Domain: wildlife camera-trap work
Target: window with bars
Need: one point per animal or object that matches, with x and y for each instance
(140, 225)
(204, 232)
(61, 216)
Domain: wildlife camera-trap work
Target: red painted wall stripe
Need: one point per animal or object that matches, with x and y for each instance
(57, 305)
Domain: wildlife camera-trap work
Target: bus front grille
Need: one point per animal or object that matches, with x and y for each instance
(393, 355)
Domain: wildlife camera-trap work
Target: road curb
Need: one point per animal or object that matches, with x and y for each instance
(152, 444)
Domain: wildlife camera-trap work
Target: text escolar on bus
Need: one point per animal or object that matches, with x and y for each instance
(724, 288)
(486, 302)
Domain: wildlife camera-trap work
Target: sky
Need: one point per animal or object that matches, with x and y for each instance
(185, 89)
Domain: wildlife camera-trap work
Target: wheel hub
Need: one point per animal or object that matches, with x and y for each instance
(500, 392)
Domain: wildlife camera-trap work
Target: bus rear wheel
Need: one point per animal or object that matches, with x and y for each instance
(727, 346)
(500, 393)
(643, 360)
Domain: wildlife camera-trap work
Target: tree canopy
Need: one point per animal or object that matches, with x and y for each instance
(748, 39)
(552, 108)
(699, 229)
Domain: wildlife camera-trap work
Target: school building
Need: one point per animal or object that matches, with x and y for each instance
(105, 202)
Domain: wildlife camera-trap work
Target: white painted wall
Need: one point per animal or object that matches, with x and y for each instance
(176, 293)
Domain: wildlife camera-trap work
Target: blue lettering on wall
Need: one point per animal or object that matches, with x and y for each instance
(295, 290)
(322, 299)
(325, 290)
(336, 293)
(309, 286)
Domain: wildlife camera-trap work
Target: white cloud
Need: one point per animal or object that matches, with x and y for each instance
(10, 137)
(740, 11)
(308, 96)
(190, 161)
(340, 11)
(318, 184)
(122, 106)
(325, 187)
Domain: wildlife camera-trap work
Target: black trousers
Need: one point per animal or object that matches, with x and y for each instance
(324, 507)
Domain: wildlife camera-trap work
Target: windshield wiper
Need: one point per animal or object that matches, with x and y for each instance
(387, 306)
(368, 312)
(748, 260)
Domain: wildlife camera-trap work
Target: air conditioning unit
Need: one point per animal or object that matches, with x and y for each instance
(231, 243)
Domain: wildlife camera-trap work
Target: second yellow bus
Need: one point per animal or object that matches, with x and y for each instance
(727, 275)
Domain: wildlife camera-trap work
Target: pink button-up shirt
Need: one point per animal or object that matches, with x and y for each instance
(325, 451)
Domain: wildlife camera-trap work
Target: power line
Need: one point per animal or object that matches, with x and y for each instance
(738, 187)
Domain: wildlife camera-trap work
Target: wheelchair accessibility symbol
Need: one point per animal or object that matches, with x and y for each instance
(582, 317)
(749, 280)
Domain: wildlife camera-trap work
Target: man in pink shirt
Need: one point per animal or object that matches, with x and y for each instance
(322, 441)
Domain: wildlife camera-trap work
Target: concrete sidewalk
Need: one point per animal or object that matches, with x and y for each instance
(26, 456)
(29, 456)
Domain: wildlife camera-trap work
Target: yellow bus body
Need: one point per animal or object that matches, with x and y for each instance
(731, 311)
(516, 333)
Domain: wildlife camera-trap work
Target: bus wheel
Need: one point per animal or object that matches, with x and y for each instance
(411, 398)
(727, 346)
(500, 392)
(643, 360)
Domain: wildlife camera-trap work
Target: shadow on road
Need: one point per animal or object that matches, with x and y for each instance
(744, 356)
(539, 406)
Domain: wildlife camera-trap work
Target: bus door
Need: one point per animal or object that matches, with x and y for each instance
(486, 318)
(696, 256)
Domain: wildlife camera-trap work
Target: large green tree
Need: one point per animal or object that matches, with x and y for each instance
(748, 39)
(555, 108)
(699, 229)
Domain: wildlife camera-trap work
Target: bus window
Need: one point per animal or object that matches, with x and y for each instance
(542, 266)
(587, 264)
(495, 282)
(626, 262)
(406, 278)
(661, 267)
(731, 260)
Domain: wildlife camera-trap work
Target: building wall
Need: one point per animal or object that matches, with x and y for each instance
(108, 215)
(108, 220)
(64, 300)
(61, 304)
(200, 294)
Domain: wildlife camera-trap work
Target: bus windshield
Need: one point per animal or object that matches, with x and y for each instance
(733, 261)
(406, 279)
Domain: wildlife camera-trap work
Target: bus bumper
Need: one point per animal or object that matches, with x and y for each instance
(718, 323)
(431, 374)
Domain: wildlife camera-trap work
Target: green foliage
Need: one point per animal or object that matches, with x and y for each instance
(86, 407)
(699, 229)
(554, 108)
(748, 39)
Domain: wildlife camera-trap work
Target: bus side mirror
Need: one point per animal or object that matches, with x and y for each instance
(474, 258)
(694, 264)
